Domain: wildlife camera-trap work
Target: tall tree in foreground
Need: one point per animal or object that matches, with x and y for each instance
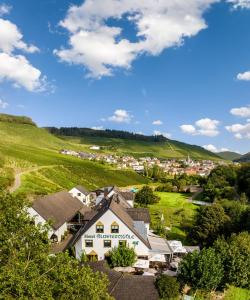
(27, 271)
(202, 270)
(210, 223)
(235, 253)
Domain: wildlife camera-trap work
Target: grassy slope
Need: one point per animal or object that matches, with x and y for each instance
(24, 147)
(170, 149)
(234, 293)
(178, 213)
(228, 155)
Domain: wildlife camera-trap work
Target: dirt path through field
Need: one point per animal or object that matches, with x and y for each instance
(17, 182)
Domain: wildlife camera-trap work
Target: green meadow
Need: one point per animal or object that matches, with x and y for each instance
(177, 211)
(26, 148)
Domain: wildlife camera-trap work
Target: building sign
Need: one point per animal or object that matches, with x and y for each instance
(109, 236)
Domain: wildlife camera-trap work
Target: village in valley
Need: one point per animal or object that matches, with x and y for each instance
(171, 167)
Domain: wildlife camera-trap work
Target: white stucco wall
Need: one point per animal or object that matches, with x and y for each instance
(124, 234)
(80, 196)
(40, 220)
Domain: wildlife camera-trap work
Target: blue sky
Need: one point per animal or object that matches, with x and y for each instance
(180, 68)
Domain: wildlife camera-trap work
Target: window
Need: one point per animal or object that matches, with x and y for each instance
(79, 194)
(88, 243)
(99, 227)
(123, 243)
(107, 243)
(114, 228)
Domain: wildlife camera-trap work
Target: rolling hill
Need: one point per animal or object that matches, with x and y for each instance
(229, 155)
(34, 152)
(125, 143)
(244, 158)
(31, 155)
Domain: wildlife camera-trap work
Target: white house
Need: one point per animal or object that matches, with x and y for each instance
(60, 210)
(95, 148)
(81, 194)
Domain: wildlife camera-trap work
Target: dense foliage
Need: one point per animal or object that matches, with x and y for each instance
(235, 254)
(210, 222)
(202, 270)
(122, 256)
(27, 271)
(16, 119)
(108, 133)
(168, 287)
(228, 182)
(146, 196)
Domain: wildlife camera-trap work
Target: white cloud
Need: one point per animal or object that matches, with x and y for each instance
(189, 129)
(206, 127)
(101, 48)
(165, 134)
(157, 122)
(120, 116)
(214, 149)
(3, 104)
(244, 76)
(240, 131)
(4, 9)
(11, 38)
(243, 112)
(15, 67)
(240, 3)
(97, 128)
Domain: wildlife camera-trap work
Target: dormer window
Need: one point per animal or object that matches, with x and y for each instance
(99, 227)
(114, 228)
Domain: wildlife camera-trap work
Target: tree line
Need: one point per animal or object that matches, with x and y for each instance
(107, 133)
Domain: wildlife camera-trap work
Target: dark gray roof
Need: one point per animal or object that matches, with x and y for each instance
(139, 214)
(59, 208)
(82, 190)
(127, 287)
(128, 195)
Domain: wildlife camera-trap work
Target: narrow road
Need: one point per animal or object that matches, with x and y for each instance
(191, 199)
(17, 182)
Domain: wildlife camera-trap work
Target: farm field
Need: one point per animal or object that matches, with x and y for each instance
(25, 147)
(177, 211)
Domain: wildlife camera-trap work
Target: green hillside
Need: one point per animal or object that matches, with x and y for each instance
(229, 155)
(163, 149)
(33, 152)
(244, 158)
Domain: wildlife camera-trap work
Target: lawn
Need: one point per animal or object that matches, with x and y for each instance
(177, 211)
(234, 293)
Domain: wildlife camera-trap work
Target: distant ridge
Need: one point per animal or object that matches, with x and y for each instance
(107, 133)
(244, 158)
(229, 155)
(133, 143)
(16, 119)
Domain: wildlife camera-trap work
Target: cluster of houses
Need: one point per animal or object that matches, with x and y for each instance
(94, 222)
(171, 166)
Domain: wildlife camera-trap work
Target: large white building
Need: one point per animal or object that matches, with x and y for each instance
(109, 222)
(113, 222)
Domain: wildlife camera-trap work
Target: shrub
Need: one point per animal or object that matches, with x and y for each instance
(146, 196)
(168, 287)
(122, 256)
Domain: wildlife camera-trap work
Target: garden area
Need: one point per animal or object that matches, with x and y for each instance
(173, 211)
